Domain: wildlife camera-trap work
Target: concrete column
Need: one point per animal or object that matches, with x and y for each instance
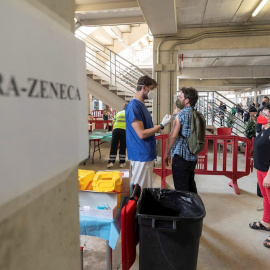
(90, 106)
(167, 86)
(255, 96)
(40, 229)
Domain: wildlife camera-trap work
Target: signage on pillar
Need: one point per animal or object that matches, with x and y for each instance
(43, 99)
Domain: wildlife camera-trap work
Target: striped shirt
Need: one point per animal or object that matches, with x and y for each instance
(119, 120)
(180, 146)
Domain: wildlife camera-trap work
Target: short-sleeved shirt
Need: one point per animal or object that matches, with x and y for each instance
(261, 154)
(139, 149)
(180, 146)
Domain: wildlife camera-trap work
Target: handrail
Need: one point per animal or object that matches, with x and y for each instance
(227, 99)
(212, 114)
(142, 71)
(119, 67)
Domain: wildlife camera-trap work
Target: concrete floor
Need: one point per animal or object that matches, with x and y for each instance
(227, 242)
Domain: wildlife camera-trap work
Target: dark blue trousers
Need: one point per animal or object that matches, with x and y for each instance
(183, 174)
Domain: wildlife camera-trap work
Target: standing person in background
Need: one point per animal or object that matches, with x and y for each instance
(262, 164)
(258, 130)
(106, 113)
(239, 110)
(246, 113)
(140, 133)
(233, 110)
(106, 116)
(183, 161)
(264, 102)
(222, 108)
(118, 135)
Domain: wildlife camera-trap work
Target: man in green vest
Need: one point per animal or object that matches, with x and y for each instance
(118, 135)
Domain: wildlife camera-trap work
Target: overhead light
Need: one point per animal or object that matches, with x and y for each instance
(259, 7)
(215, 62)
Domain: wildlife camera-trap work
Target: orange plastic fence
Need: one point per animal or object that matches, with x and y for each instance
(202, 165)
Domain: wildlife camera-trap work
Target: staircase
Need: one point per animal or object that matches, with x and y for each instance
(208, 105)
(110, 77)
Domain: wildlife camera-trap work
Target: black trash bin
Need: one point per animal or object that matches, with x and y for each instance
(170, 226)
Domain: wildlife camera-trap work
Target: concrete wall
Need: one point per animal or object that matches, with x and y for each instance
(40, 230)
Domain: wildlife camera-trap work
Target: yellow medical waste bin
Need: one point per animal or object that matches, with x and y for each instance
(108, 181)
(85, 178)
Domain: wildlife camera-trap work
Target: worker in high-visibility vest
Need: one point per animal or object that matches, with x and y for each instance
(118, 135)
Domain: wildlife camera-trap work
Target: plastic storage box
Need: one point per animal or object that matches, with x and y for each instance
(108, 181)
(170, 227)
(85, 178)
(91, 203)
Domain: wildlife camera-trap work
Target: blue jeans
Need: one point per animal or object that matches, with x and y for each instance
(183, 174)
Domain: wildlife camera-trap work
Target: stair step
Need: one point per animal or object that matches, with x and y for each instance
(96, 78)
(88, 72)
(112, 88)
(104, 83)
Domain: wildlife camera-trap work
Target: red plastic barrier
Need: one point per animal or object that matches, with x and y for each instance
(101, 124)
(99, 113)
(202, 165)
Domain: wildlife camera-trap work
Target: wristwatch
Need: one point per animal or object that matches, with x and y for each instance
(162, 127)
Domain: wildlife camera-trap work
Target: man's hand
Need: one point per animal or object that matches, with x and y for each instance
(166, 120)
(167, 159)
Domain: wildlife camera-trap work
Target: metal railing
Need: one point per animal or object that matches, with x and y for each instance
(111, 66)
(209, 106)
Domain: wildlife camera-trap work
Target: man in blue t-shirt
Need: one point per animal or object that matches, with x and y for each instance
(140, 133)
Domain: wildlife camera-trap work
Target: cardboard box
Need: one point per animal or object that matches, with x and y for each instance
(125, 192)
(90, 201)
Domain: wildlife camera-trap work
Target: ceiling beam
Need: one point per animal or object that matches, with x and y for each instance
(160, 16)
(250, 72)
(106, 6)
(224, 85)
(113, 21)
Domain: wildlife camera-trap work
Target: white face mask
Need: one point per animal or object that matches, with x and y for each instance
(151, 94)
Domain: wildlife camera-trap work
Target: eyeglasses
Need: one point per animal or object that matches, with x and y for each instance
(265, 115)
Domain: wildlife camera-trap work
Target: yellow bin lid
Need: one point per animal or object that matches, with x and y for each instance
(105, 181)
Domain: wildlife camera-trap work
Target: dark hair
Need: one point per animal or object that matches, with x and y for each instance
(190, 93)
(266, 106)
(266, 97)
(145, 80)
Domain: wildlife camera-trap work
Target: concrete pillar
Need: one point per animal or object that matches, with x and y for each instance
(40, 229)
(90, 106)
(167, 85)
(255, 96)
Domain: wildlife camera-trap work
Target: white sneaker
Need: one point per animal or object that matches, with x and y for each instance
(122, 165)
(110, 165)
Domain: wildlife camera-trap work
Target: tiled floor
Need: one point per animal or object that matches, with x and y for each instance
(226, 243)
